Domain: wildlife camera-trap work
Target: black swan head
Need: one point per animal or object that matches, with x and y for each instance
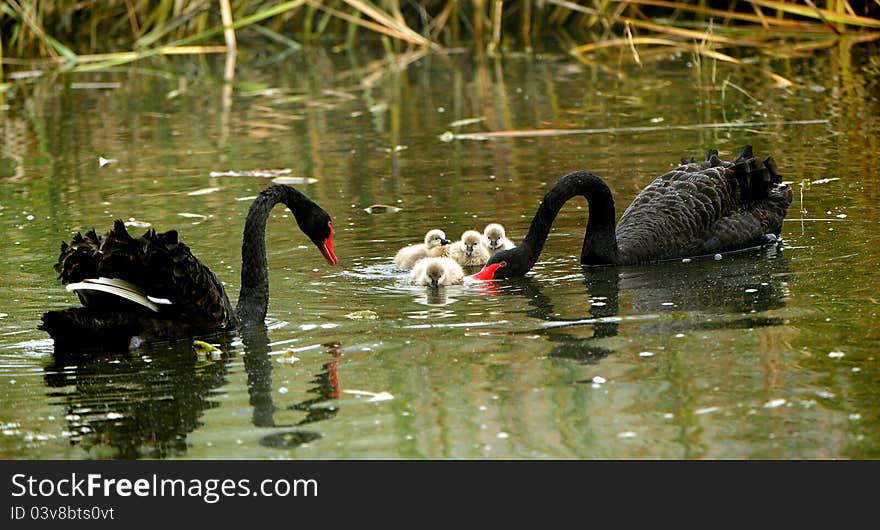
(696, 209)
(317, 225)
(503, 264)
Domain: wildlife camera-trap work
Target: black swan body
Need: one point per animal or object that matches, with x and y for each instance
(696, 209)
(154, 288)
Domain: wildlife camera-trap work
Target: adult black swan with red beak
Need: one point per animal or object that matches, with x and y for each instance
(696, 209)
(152, 287)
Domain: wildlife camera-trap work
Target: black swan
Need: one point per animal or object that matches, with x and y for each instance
(152, 287)
(696, 209)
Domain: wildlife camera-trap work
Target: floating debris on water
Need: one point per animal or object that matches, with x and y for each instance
(626, 434)
(374, 396)
(598, 379)
(365, 314)
(706, 410)
(395, 149)
(114, 416)
(835, 354)
(260, 173)
(646, 354)
(825, 181)
(283, 390)
(190, 215)
(204, 348)
(294, 180)
(203, 191)
(25, 74)
(104, 161)
(134, 223)
(381, 208)
(467, 121)
(717, 257)
(95, 85)
(287, 357)
(773, 403)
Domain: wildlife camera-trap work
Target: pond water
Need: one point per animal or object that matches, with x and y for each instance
(765, 354)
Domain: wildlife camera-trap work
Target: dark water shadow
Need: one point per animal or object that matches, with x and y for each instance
(144, 403)
(731, 293)
(139, 404)
(602, 292)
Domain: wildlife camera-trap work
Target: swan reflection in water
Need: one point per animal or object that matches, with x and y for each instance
(144, 404)
(731, 293)
(258, 365)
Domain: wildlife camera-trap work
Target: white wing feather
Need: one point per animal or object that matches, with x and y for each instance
(120, 288)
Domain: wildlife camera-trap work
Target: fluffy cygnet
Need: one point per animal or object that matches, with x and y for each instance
(435, 245)
(469, 252)
(494, 238)
(434, 272)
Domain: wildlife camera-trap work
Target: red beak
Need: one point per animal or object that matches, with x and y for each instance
(327, 248)
(486, 273)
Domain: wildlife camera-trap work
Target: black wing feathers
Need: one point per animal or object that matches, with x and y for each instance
(704, 207)
(158, 263)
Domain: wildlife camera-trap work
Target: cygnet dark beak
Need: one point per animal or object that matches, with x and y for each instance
(445, 241)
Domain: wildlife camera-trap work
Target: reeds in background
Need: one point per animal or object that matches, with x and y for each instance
(96, 34)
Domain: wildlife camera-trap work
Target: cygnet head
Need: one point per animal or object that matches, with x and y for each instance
(435, 271)
(470, 239)
(494, 234)
(435, 238)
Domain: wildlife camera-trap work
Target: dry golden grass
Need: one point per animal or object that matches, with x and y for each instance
(78, 35)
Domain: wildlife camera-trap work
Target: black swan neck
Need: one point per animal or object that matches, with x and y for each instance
(600, 244)
(253, 299)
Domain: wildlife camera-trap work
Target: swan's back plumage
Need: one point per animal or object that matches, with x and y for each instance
(157, 262)
(703, 208)
(161, 266)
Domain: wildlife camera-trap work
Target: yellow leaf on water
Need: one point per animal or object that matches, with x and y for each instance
(287, 357)
(363, 315)
(203, 348)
